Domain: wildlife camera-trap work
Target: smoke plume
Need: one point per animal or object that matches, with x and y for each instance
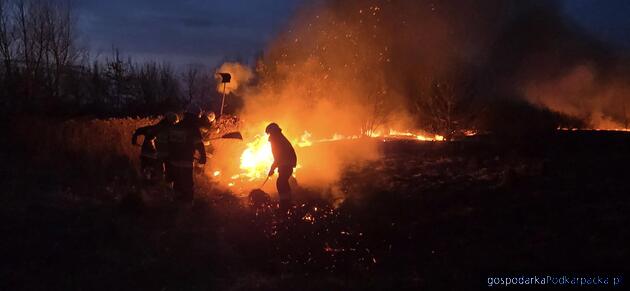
(240, 76)
(356, 67)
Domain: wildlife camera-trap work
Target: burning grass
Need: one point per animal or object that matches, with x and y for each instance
(319, 160)
(97, 146)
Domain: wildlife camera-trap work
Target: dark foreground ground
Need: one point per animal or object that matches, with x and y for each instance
(426, 216)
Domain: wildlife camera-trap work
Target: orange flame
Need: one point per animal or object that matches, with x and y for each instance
(256, 158)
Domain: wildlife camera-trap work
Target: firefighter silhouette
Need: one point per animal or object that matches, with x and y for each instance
(285, 160)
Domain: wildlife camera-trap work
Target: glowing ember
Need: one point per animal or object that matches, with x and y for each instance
(309, 218)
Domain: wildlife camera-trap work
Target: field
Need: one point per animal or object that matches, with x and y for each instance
(430, 216)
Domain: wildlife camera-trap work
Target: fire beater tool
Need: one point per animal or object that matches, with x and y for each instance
(265, 182)
(225, 78)
(231, 135)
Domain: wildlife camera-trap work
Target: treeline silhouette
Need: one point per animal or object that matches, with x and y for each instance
(44, 70)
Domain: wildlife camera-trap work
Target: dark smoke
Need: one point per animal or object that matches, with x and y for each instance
(346, 68)
(489, 60)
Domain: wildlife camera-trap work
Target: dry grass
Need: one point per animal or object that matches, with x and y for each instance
(83, 152)
(434, 218)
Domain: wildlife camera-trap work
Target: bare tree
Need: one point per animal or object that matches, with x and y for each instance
(148, 79)
(61, 40)
(443, 107)
(191, 77)
(41, 68)
(169, 84)
(31, 19)
(198, 85)
(118, 75)
(377, 112)
(7, 37)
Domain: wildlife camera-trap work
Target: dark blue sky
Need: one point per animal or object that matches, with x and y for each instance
(208, 32)
(184, 31)
(608, 20)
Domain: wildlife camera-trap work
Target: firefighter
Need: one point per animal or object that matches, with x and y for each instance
(184, 139)
(152, 152)
(206, 121)
(206, 126)
(284, 160)
(161, 144)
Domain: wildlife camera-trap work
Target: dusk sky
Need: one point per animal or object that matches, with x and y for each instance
(606, 19)
(209, 32)
(182, 32)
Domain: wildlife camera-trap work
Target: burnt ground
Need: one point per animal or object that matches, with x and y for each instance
(433, 216)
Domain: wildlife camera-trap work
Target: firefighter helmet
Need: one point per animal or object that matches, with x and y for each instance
(273, 128)
(211, 116)
(171, 117)
(193, 109)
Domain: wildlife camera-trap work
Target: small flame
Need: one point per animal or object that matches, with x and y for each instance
(419, 136)
(305, 140)
(595, 129)
(395, 132)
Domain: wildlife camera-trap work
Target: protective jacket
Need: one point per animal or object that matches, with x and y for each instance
(183, 140)
(148, 144)
(282, 150)
(162, 132)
